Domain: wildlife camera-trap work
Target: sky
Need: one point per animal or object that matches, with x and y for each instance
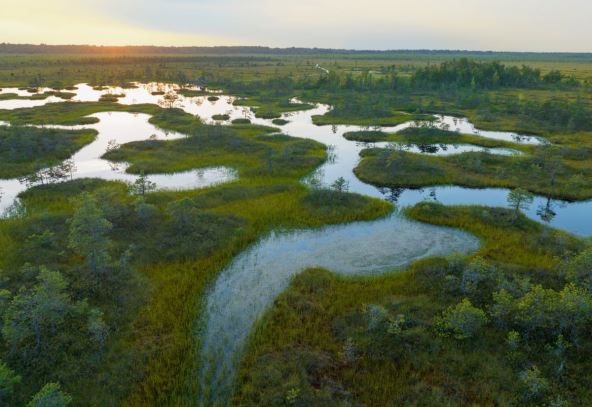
(500, 25)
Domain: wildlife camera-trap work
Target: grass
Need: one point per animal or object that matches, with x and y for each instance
(38, 96)
(427, 135)
(177, 284)
(280, 122)
(241, 121)
(301, 350)
(266, 107)
(192, 93)
(249, 149)
(367, 136)
(24, 150)
(110, 98)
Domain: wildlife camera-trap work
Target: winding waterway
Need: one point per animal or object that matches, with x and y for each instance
(246, 288)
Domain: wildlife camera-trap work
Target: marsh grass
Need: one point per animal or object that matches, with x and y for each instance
(387, 121)
(475, 170)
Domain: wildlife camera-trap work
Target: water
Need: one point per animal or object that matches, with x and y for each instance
(126, 127)
(246, 288)
(462, 125)
(570, 216)
(196, 105)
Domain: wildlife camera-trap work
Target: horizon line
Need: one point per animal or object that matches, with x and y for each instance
(292, 48)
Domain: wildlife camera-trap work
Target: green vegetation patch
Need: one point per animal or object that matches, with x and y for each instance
(391, 120)
(248, 148)
(111, 98)
(24, 150)
(241, 121)
(543, 173)
(431, 135)
(280, 122)
(367, 136)
(192, 93)
(267, 107)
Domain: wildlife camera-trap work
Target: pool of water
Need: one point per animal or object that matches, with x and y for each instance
(248, 286)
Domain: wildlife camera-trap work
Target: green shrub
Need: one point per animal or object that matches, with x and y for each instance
(461, 321)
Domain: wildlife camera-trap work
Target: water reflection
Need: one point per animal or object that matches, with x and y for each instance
(344, 155)
(571, 216)
(113, 129)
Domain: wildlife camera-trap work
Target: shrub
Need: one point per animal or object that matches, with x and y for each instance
(461, 321)
(534, 384)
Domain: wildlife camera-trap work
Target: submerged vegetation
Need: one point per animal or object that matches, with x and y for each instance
(102, 284)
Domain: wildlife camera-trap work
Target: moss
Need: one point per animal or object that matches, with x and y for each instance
(192, 93)
(268, 107)
(111, 98)
(241, 121)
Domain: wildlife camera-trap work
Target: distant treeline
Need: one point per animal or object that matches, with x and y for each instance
(6, 48)
(464, 73)
(456, 74)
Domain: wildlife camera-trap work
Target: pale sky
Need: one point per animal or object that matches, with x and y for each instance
(512, 25)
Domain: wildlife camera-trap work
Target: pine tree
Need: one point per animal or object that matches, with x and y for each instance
(88, 234)
(51, 395)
